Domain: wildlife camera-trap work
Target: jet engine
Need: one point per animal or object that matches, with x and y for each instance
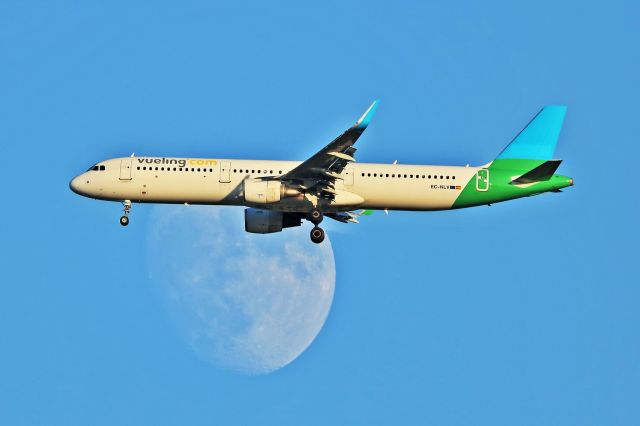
(261, 221)
(267, 191)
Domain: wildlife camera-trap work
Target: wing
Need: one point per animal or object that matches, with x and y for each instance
(346, 217)
(321, 170)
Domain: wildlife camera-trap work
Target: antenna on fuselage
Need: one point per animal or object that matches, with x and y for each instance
(133, 153)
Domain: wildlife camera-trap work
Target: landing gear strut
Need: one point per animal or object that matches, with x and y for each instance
(317, 235)
(124, 220)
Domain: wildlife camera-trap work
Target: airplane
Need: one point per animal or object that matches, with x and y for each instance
(280, 194)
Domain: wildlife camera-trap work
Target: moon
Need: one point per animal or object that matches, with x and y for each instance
(247, 303)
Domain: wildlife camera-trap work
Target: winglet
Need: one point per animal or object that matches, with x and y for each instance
(367, 116)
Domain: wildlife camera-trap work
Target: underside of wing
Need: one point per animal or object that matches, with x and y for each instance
(346, 217)
(319, 173)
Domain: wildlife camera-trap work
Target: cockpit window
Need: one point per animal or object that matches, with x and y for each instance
(96, 168)
(102, 167)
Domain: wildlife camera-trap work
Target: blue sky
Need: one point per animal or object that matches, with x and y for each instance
(520, 313)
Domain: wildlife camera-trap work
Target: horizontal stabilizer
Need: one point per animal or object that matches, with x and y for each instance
(541, 173)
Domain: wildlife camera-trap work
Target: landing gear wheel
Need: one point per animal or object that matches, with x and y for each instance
(315, 216)
(124, 219)
(317, 235)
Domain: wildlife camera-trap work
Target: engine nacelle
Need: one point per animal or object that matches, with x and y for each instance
(267, 191)
(261, 221)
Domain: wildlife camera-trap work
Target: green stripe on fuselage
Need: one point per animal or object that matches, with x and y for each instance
(501, 173)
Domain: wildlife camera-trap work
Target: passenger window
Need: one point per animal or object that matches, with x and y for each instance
(138, 167)
(279, 171)
(405, 176)
(387, 175)
(441, 177)
(363, 174)
(199, 169)
(144, 168)
(447, 177)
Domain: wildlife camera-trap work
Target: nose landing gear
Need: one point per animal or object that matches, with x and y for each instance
(124, 219)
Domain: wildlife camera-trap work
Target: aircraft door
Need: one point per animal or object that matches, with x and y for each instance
(482, 180)
(348, 176)
(224, 172)
(125, 169)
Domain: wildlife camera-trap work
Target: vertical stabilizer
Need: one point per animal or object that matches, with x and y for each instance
(538, 140)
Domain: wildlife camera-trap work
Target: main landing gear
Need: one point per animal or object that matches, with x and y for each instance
(317, 235)
(124, 219)
(315, 216)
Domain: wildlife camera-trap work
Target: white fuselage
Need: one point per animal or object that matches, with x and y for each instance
(220, 181)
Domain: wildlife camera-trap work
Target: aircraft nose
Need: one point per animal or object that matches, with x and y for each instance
(74, 185)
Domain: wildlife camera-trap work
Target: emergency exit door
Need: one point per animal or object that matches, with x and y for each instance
(348, 175)
(224, 172)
